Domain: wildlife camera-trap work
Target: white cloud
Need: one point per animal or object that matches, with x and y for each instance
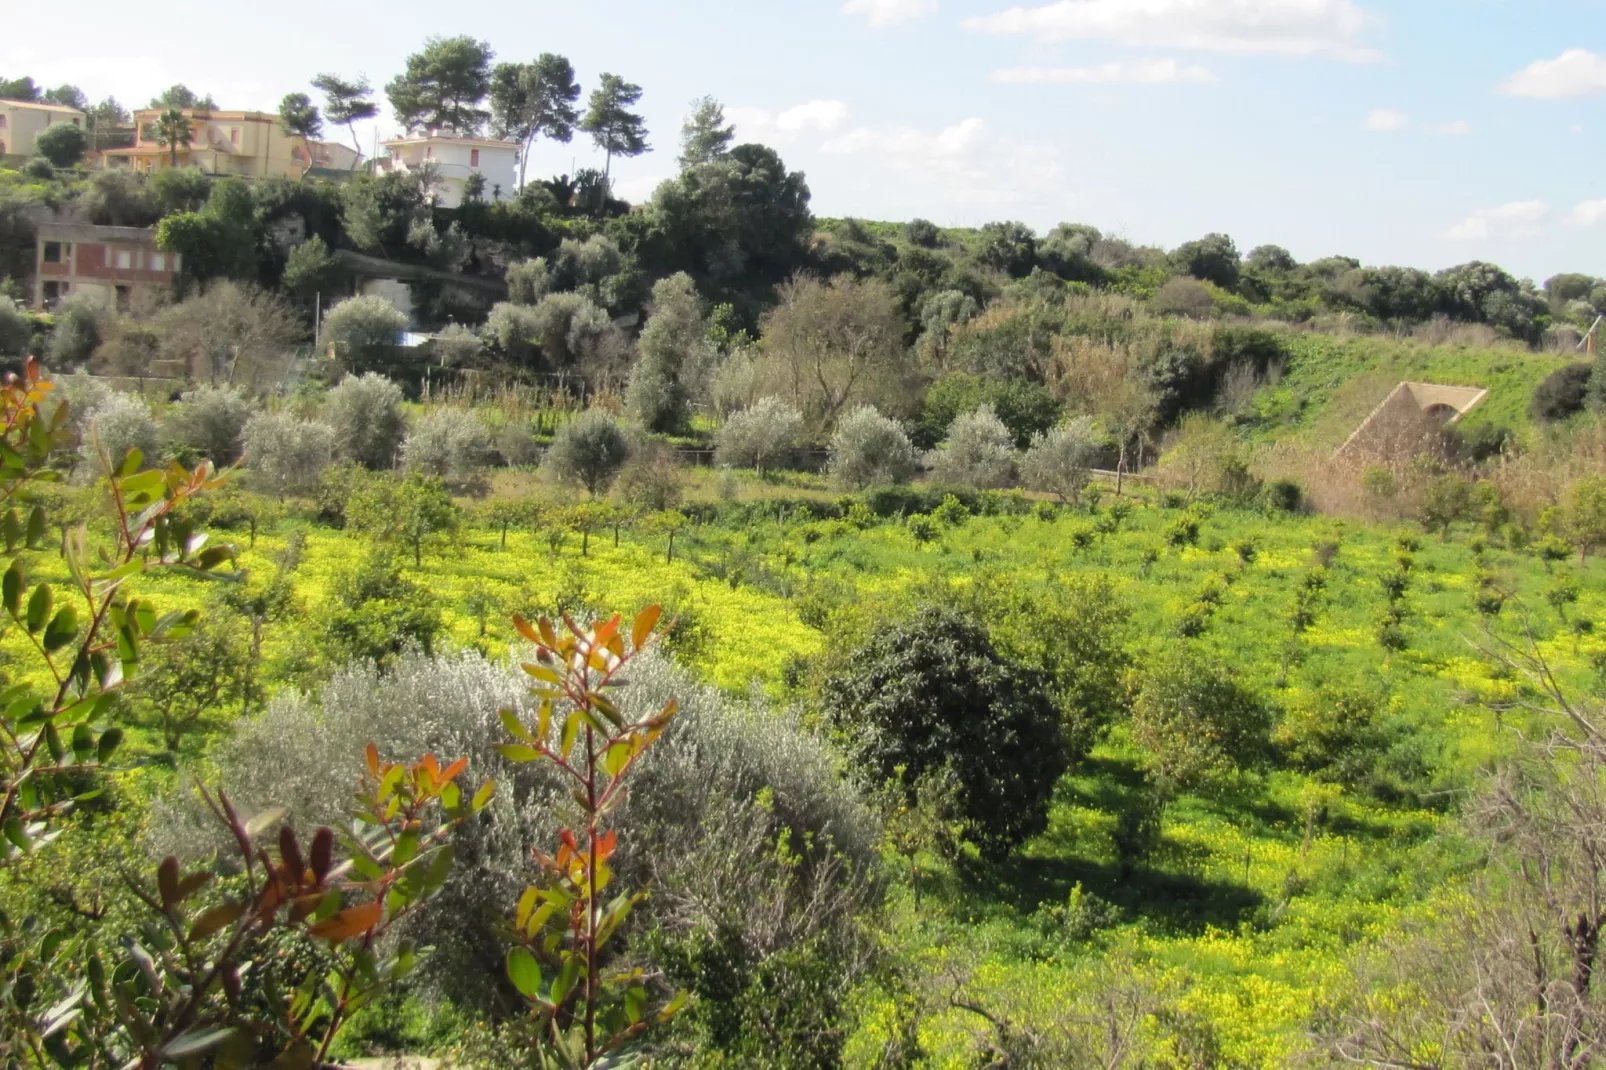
(1577, 72)
(966, 162)
(890, 12)
(781, 128)
(1587, 214)
(1517, 219)
(1387, 120)
(1252, 27)
(1142, 72)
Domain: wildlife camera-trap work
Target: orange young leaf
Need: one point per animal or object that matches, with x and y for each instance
(646, 621)
(525, 629)
(453, 770)
(353, 921)
(373, 759)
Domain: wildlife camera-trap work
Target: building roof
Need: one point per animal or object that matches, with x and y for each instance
(450, 140)
(213, 113)
(39, 105)
(60, 231)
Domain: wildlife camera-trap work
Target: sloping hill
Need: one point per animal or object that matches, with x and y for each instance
(1330, 385)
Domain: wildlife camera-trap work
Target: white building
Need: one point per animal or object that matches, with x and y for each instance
(23, 120)
(454, 159)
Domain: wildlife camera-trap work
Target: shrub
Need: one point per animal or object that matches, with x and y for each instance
(869, 449)
(1026, 408)
(1447, 499)
(286, 455)
(63, 144)
(1335, 735)
(364, 329)
(651, 478)
(726, 787)
(979, 452)
(209, 420)
(1284, 496)
(449, 443)
(672, 346)
(1060, 461)
(120, 423)
(377, 615)
(515, 330)
(1563, 393)
(457, 346)
(761, 436)
(79, 323)
(930, 695)
(364, 412)
(588, 451)
(16, 334)
(1195, 723)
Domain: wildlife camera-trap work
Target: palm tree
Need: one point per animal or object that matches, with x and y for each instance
(172, 130)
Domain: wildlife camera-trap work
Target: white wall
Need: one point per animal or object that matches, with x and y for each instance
(454, 161)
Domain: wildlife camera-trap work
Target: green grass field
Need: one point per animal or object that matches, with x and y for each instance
(1246, 911)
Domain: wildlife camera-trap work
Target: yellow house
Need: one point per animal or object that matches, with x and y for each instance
(23, 120)
(250, 144)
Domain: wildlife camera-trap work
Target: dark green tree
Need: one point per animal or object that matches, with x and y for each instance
(612, 125)
(299, 117)
(68, 96)
(346, 104)
(182, 96)
(931, 696)
(173, 132)
(1213, 258)
(588, 451)
(444, 86)
(63, 144)
(534, 100)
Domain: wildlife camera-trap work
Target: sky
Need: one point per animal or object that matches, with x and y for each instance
(1417, 132)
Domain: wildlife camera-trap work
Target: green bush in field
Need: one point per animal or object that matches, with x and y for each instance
(376, 615)
(365, 413)
(1195, 723)
(869, 449)
(932, 693)
(210, 421)
(588, 451)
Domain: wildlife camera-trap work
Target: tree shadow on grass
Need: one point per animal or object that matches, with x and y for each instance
(1171, 900)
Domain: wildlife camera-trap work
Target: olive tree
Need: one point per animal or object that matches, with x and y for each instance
(363, 329)
(364, 412)
(118, 424)
(210, 421)
(869, 449)
(979, 452)
(1060, 461)
(286, 455)
(588, 451)
(15, 333)
(672, 345)
(758, 436)
(446, 442)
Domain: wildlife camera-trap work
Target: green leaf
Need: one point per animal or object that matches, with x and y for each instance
(635, 1003)
(195, 1041)
(53, 743)
(40, 604)
(17, 834)
(11, 529)
(524, 971)
(406, 848)
(215, 920)
(514, 726)
(482, 798)
(63, 628)
(518, 752)
(566, 979)
(131, 462)
(110, 740)
(12, 587)
(36, 526)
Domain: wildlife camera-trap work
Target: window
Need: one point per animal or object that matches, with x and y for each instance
(52, 294)
(429, 152)
(158, 261)
(75, 121)
(52, 252)
(2, 122)
(125, 259)
(473, 157)
(122, 298)
(234, 135)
